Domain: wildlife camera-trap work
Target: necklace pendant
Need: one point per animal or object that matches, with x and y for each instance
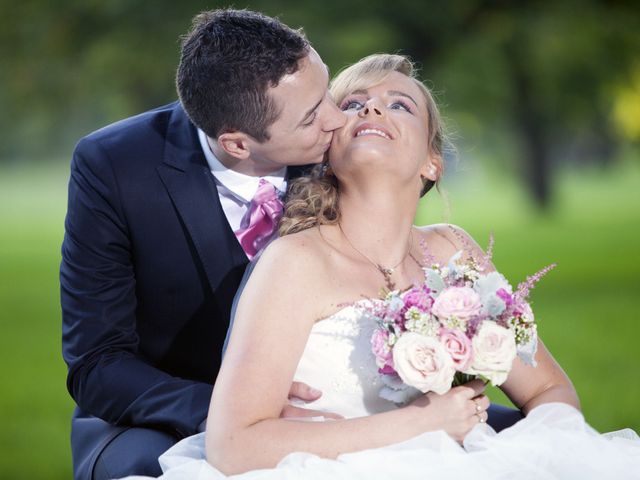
(386, 271)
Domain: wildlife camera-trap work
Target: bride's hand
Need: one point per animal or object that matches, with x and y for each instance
(304, 392)
(457, 411)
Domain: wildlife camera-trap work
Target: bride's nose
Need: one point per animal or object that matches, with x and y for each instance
(371, 107)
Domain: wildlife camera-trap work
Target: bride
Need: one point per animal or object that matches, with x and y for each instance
(351, 232)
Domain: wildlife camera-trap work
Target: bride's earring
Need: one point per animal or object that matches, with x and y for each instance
(326, 169)
(433, 171)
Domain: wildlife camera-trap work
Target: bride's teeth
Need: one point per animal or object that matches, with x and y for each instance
(372, 131)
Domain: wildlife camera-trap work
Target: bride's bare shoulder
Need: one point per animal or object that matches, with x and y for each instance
(303, 241)
(299, 251)
(444, 239)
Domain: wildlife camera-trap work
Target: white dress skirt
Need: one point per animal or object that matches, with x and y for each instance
(552, 442)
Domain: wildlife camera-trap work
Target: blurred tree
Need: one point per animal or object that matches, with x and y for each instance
(538, 81)
(540, 72)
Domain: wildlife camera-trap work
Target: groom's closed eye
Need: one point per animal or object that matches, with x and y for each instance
(311, 114)
(310, 120)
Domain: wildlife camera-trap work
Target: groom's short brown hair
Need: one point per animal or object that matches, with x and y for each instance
(229, 60)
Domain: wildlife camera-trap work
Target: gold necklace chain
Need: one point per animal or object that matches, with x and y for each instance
(385, 271)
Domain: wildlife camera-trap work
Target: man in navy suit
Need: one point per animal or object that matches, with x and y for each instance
(150, 258)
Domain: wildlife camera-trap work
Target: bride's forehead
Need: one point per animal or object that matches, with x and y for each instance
(392, 84)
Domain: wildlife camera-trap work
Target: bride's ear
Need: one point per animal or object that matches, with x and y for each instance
(432, 168)
(236, 144)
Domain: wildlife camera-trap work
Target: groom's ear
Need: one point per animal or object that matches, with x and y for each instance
(235, 144)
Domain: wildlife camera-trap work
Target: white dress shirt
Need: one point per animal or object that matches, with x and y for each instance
(237, 189)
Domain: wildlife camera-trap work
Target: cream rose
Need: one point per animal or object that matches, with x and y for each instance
(494, 349)
(423, 362)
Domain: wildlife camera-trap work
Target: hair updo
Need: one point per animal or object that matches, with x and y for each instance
(313, 200)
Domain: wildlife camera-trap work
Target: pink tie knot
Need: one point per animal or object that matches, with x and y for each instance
(264, 213)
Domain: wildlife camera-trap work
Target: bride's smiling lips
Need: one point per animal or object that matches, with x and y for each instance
(372, 129)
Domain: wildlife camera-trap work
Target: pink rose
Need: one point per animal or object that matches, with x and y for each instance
(381, 349)
(459, 347)
(459, 302)
(423, 362)
(494, 349)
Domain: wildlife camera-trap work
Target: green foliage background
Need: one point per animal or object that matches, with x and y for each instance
(539, 97)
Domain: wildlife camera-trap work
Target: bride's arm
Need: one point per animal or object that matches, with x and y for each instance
(527, 387)
(274, 318)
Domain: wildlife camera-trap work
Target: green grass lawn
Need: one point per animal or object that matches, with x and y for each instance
(585, 308)
(34, 403)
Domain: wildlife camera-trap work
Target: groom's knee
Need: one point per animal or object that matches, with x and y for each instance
(133, 452)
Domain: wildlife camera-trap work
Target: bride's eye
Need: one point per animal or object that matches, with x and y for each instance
(350, 104)
(400, 105)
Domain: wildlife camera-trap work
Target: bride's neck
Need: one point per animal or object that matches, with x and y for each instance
(378, 223)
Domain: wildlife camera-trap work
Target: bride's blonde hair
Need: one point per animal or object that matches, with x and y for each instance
(313, 200)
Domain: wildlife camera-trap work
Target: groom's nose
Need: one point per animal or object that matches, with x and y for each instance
(336, 118)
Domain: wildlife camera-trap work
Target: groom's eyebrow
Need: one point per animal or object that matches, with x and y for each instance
(314, 108)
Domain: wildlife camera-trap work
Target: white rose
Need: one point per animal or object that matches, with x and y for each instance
(494, 349)
(423, 362)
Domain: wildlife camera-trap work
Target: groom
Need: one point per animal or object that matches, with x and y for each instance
(165, 210)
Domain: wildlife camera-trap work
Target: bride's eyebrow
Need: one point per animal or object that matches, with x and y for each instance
(391, 93)
(396, 93)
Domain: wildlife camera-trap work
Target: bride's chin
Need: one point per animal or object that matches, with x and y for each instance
(363, 156)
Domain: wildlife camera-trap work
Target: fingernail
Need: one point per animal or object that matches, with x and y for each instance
(314, 391)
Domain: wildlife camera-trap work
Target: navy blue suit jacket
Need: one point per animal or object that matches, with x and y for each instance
(149, 270)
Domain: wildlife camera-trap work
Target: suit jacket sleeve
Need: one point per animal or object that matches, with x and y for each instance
(108, 377)
(236, 299)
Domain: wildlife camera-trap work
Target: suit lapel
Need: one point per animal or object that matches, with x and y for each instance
(189, 182)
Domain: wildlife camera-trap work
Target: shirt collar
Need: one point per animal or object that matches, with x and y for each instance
(241, 185)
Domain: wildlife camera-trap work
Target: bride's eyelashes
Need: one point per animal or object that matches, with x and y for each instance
(357, 104)
(350, 104)
(400, 105)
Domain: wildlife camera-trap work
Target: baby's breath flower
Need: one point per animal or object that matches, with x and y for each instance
(421, 323)
(454, 323)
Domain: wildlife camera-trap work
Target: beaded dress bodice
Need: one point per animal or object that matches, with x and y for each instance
(338, 361)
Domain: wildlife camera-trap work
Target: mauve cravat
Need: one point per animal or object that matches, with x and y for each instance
(264, 212)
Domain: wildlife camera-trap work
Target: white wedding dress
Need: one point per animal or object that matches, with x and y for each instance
(552, 442)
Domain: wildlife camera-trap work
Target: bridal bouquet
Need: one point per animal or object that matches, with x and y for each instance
(461, 323)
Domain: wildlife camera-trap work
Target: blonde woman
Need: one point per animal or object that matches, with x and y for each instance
(351, 232)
